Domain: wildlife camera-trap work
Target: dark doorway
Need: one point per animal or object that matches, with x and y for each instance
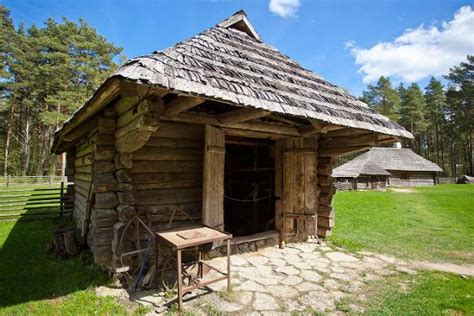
(249, 202)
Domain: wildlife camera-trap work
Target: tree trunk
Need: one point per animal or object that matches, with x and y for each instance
(11, 116)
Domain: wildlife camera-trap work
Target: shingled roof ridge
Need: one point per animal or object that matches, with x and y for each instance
(239, 21)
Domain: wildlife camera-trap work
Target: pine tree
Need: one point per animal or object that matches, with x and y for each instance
(411, 114)
(461, 104)
(435, 100)
(46, 73)
(383, 98)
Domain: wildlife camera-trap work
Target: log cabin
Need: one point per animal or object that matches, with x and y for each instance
(381, 167)
(221, 129)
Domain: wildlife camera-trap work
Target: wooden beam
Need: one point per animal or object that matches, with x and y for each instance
(316, 127)
(80, 131)
(370, 139)
(241, 115)
(205, 119)
(339, 152)
(345, 132)
(181, 104)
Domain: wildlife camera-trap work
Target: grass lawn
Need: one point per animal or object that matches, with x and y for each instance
(428, 293)
(35, 282)
(430, 223)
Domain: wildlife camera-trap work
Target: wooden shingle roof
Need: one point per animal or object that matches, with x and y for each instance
(229, 63)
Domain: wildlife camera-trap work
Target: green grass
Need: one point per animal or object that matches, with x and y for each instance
(430, 223)
(428, 293)
(35, 282)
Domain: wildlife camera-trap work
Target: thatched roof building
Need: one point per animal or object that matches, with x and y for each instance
(222, 128)
(400, 165)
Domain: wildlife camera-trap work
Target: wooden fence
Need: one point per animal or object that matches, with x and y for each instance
(30, 180)
(34, 202)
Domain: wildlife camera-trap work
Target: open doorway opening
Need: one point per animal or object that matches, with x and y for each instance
(249, 181)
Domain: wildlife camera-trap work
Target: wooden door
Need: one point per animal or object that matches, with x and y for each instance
(213, 178)
(299, 193)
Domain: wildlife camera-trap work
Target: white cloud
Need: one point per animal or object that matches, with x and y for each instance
(284, 8)
(419, 53)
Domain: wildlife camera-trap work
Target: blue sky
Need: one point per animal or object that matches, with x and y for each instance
(348, 42)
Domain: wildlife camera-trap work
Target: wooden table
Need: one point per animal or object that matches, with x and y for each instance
(188, 237)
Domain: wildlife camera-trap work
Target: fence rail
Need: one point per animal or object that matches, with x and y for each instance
(34, 202)
(30, 180)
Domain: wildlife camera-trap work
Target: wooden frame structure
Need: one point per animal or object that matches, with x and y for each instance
(151, 141)
(203, 236)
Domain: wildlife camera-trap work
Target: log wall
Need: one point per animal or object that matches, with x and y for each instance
(83, 156)
(167, 174)
(105, 185)
(413, 179)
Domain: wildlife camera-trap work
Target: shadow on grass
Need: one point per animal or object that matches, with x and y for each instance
(29, 273)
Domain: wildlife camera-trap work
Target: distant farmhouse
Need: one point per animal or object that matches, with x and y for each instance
(381, 167)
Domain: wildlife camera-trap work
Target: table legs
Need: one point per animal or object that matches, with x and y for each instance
(228, 265)
(179, 279)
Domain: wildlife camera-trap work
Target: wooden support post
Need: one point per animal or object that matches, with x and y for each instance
(228, 265)
(179, 279)
(61, 202)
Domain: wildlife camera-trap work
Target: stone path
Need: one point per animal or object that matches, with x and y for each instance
(303, 277)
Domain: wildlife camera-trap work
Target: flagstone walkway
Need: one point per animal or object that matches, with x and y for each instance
(303, 277)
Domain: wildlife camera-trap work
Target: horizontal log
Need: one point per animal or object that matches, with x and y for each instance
(174, 142)
(104, 152)
(367, 140)
(84, 161)
(85, 151)
(106, 200)
(339, 152)
(123, 161)
(83, 176)
(81, 130)
(124, 104)
(132, 113)
(157, 177)
(178, 154)
(168, 196)
(134, 140)
(179, 131)
(175, 184)
(106, 139)
(106, 126)
(146, 122)
(140, 166)
(181, 104)
(251, 126)
(241, 115)
(104, 166)
(191, 209)
(84, 169)
(105, 182)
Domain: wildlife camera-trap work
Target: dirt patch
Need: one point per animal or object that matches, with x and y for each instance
(402, 190)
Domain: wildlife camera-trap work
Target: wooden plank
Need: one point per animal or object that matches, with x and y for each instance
(180, 131)
(213, 178)
(140, 166)
(168, 196)
(181, 104)
(176, 154)
(310, 194)
(241, 115)
(249, 126)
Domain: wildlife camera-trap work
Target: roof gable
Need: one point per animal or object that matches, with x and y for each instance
(239, 21)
